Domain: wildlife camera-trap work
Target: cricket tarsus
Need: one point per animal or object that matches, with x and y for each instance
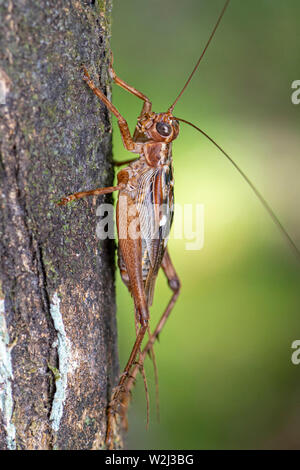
(267, 207)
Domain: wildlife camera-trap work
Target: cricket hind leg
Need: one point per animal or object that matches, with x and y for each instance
(121, 389)
(152, 356)
(175, 286)
(131, 255)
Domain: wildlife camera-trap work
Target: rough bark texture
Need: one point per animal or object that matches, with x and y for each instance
(58, 356)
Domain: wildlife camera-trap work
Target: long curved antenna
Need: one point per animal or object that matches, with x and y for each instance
(256, 192)
(202, 54)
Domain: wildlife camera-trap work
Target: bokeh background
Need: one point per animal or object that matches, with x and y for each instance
(224, 358)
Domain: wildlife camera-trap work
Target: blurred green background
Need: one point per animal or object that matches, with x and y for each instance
(224, 358)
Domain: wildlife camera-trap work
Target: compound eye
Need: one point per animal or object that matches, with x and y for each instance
(163, 129)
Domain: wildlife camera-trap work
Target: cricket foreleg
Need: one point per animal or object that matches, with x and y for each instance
(118, 81)
(124, 129)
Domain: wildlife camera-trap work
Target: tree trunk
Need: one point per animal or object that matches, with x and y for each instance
(58, 356)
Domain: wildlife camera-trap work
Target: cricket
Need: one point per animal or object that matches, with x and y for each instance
(146, 189)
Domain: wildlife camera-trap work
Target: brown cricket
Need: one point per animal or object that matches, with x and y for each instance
(146, 191)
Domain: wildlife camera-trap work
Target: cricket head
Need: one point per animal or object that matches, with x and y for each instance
(160, 127)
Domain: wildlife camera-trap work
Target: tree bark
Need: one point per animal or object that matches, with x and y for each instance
(58, 353)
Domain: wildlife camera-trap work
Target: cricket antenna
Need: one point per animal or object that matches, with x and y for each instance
(202, 54)
(256, 192)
